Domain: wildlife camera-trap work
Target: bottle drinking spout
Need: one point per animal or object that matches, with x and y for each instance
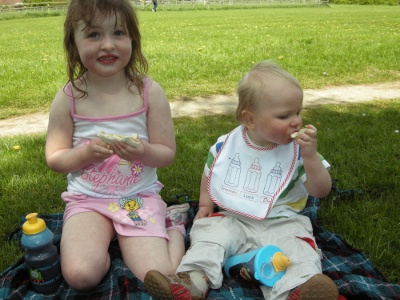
(263, 266)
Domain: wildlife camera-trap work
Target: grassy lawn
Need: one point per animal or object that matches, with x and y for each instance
(360, 141)
(205, 52)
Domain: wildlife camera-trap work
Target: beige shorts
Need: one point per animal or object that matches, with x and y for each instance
(215, 239)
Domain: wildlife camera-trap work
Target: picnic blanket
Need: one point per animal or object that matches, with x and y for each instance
(353, 273)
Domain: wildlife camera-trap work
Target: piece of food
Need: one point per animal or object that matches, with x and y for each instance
(296, 134)
(110, 138)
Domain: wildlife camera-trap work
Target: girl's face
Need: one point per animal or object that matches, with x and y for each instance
(105, 48)
(277, 117)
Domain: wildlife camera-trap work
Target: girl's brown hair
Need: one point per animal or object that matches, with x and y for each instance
(85, 10)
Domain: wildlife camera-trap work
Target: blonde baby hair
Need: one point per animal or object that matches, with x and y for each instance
(253, 86)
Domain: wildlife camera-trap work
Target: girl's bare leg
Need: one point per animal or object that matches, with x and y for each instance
(84, 249)
(142, 254)
(176, 248)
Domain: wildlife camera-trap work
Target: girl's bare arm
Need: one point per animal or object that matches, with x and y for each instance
(161, 148)
(60, 155)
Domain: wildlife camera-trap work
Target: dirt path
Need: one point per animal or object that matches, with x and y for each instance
(218, 104)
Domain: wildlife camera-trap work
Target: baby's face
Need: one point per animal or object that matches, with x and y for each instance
(277, 116)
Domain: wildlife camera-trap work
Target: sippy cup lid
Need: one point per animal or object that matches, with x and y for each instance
(270, 265)
(280, 261)
(33, 224)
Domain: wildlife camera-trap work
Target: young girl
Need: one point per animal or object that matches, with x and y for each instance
(260, 175)
(113, 190)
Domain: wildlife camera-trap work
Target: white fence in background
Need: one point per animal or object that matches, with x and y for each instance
(143, 3)
(233, 2)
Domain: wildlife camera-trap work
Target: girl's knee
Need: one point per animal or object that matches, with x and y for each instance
(78, 278)
(83, 277)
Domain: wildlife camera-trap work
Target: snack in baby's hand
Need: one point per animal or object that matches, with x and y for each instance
(110, 138)
(296, 134)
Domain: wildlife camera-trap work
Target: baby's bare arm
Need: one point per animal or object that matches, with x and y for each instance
(318, 183)
(206, 205)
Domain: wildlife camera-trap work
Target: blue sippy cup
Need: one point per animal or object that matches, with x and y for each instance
(263, 266)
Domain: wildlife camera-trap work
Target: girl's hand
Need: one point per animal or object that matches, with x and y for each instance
(308, 142)
(97, 150)
(127, 152)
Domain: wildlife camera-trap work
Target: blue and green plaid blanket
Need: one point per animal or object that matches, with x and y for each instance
(353, 273)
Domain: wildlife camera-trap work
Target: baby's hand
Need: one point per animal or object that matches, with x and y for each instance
(204, 212)
(308, 141)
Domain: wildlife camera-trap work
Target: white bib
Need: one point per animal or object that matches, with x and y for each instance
(246, 179)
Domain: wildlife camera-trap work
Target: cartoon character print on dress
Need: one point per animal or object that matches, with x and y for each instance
(132, 205)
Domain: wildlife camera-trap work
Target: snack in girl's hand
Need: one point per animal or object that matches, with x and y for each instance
(110, 138)
(296, 134)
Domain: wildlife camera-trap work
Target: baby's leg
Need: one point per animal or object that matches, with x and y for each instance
(84, 249)
(142, 254)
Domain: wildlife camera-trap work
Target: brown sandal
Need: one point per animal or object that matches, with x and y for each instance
(171, 287)
(318, 287)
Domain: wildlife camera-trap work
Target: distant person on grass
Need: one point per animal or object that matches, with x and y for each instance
(155, 4)
(113, 190)
(257, 160)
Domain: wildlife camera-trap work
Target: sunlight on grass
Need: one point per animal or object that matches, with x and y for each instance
(361, 141)
(205, 52)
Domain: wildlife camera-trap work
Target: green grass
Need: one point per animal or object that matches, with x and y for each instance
(205, 52)
(361, 142)
(199, 53)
